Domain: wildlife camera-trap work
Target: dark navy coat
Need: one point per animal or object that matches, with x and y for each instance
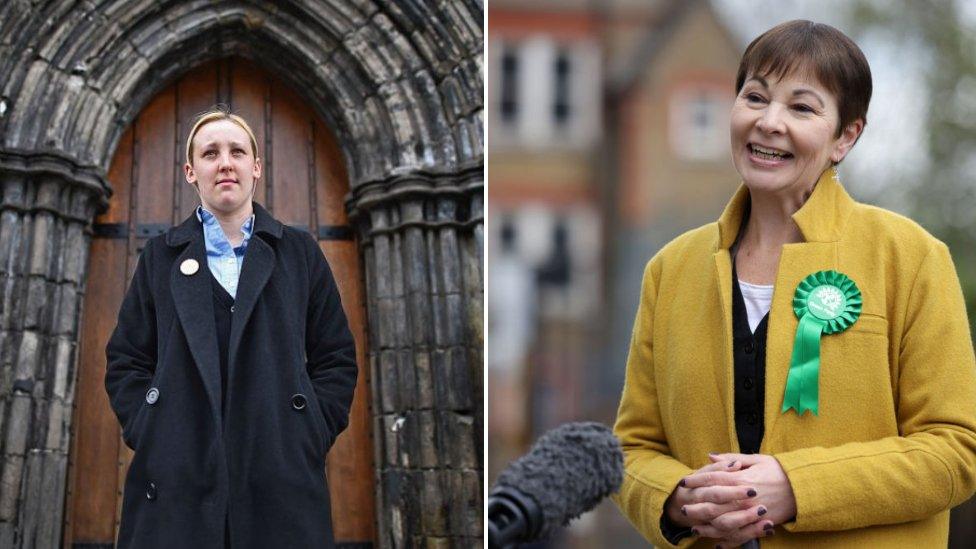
(256, 461)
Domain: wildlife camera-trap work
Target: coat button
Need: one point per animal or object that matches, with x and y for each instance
(151, 491)
(298, 401)
(152, 395)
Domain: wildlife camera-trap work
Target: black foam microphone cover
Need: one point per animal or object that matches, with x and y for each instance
(565, 474)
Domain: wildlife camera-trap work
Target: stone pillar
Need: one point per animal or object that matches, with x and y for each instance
(46, 205)
(422, 240)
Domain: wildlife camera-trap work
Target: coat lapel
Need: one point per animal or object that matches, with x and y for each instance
(822, 221)
(796, 262)
(725, 374)
(728, 229)
(193, 295)
(193, 300)
(259, 263)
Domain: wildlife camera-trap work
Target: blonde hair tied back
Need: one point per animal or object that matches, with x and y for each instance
(213, 115)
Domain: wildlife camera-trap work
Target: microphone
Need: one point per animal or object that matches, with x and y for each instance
(565, 474)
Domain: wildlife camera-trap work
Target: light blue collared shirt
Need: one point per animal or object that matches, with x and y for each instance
(224, 261)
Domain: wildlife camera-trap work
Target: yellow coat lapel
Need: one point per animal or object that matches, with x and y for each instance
(822, 221)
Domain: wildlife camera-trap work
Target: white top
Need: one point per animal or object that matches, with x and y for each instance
(757, 299)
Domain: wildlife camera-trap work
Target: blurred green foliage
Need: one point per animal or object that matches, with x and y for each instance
(945, 202)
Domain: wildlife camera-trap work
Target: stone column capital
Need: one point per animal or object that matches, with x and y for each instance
(57, 166)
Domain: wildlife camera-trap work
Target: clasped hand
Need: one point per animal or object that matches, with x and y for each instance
(736, 498)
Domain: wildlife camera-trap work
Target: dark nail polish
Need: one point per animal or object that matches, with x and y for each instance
(770, 532)
(684, 511)
(751, 493)
(681, 483)
(768, 527)
(694, 532)
(731, 464)
(762, 511)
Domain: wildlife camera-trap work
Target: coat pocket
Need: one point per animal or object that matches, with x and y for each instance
(135, 431)
(130, 435)
(855, 367)
(871, 324)
(313, 409)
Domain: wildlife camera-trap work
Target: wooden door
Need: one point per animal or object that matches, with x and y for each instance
(303, 185)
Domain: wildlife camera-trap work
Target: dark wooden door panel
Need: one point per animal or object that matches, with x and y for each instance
(293, 158)
(92, 491)
(197, 93)
(154, 147)
(304, 184)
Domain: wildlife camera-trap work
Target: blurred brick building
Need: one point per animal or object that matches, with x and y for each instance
(607, 123)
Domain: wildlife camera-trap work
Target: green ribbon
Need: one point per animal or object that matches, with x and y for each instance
(802, 385)
(826, 302)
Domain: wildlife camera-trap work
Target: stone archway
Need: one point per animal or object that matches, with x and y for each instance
(399, 83)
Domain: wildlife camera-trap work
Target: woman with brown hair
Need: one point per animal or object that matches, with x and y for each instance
(803, 366)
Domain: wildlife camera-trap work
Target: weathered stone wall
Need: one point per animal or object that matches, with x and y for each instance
(46, 203)
(400, 83)
(423, 243)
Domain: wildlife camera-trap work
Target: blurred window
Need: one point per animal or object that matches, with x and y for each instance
(698, 127)
(509, 85)
(561, 108)
(545, 93)
(701, 112)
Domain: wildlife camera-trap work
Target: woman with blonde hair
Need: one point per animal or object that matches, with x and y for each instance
(803, 367)
(231, 369)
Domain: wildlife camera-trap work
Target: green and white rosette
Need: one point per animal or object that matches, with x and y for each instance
(826, 302)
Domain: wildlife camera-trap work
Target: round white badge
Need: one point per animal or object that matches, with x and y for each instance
(190, 266)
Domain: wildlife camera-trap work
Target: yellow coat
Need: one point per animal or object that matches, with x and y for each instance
(894, 446)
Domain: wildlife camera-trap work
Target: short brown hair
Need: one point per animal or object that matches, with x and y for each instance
(828, 54)
(213, 116)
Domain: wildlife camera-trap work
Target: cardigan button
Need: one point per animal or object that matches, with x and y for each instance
(298, 402)
(152, 396)
(752, 418)
(747, 382)
(750, 347)
(151, 491)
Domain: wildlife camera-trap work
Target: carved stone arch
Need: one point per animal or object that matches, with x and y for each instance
(400, 84)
